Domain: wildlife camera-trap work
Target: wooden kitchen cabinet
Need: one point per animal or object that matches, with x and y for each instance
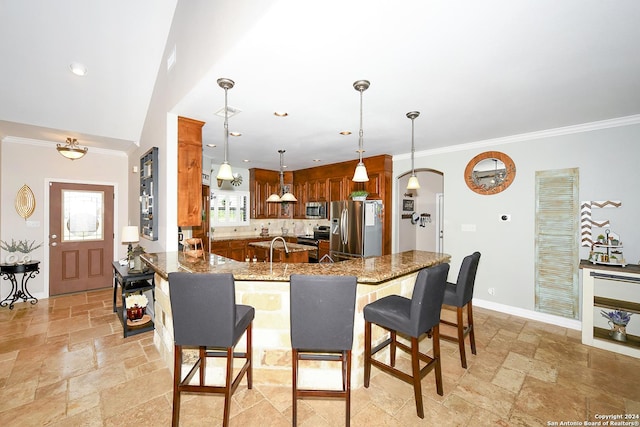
(237, 249)
(263, 183)
(323, 249)
(189, 172)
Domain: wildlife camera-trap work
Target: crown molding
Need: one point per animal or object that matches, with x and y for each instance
(549, 133)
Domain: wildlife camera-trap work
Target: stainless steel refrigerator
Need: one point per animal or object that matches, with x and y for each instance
(356, 229)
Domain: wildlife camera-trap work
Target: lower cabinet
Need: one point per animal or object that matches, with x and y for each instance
(323, 249)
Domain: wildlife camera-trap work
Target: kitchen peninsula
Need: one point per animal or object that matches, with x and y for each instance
(265, 286)
(294, 252)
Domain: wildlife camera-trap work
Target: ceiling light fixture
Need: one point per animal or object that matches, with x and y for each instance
(224, 173)
(280, 113)
(72, 150)
(78, 69)
(360, 174)
(286, 196)
(413, 183)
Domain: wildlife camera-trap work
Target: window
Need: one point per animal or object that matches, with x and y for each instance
(229, 208)
(82, 215)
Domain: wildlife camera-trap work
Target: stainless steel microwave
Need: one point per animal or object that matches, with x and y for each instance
(316, 210)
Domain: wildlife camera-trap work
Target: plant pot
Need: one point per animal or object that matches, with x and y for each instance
(135, 313)
(618, 332)
(359, 198)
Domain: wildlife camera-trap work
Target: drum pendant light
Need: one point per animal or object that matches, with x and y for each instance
(360, 174)
(224, 173)
(413, 183)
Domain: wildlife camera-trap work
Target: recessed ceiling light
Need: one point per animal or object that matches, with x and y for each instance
(78, 69)
(235, 134)
(246, 160)
(211, 145)
(345, 132)
(280, 113)
(317, 160)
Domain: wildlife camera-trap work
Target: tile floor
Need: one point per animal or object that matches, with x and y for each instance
(64, 362)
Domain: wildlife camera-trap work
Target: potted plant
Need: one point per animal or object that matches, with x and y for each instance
(136, 305)
(618, 320)
(359, 195)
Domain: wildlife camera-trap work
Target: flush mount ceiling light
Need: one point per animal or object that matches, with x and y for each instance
(286, 196)
(280, 113)
(72, 150)
(360, 174)
(78, 69)
(413, 183)
(224, 173)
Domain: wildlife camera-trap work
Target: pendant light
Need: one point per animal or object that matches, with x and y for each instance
(360, 174)
(224, 173)
(286, 197)
(413, 183)
(72, 150)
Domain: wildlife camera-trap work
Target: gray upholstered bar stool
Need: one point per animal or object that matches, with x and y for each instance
(459, 295)
(413, 318)
(322, 315)
(206, 316)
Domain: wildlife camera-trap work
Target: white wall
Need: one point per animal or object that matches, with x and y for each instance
(608, 162)
(35, 163)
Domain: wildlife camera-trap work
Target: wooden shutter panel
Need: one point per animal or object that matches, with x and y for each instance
(557, 242)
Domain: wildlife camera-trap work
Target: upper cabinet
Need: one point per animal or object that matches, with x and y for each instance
(189, 172)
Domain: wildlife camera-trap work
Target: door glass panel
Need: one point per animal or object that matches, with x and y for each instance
(82, 215)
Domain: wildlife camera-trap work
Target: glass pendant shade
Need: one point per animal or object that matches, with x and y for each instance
(224, 173)
(413, 183)
(72, 150)
(360, 174)
(288, 197)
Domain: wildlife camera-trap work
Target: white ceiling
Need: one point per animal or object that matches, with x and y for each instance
(476, 70)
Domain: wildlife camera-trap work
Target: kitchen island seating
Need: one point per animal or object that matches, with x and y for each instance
(206, 316)
(322, 315)
(459, 295)
(412, 318)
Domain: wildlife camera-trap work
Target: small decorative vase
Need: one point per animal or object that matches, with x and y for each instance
(359, 198)
(135, 313)
(618, 332)
(11, 258)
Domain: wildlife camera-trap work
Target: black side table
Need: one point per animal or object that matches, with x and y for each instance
(28, 271)
(132, 283)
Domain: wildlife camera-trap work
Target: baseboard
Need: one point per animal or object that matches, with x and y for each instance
(528, 314)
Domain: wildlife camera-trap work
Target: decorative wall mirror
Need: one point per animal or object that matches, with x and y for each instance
(490, 172)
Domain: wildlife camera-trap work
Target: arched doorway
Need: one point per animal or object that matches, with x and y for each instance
(420, 212)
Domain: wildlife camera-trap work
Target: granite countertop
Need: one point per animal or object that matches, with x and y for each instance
(372, 270)
(278, 245)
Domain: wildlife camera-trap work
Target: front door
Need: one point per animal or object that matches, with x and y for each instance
(80, 237)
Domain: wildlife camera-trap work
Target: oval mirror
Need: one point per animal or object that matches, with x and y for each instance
(490, 172)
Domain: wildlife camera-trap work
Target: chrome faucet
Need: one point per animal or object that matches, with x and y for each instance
(286, 249)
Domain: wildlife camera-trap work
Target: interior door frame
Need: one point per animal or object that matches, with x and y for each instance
(47, 206)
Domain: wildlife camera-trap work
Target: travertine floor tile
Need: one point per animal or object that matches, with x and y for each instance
(64, 362)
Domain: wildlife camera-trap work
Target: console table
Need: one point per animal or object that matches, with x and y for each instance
(131, 283)
(28, 271)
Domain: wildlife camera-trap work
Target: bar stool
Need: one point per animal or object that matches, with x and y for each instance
(205, 315)
(458, 295)
(412, 317)
(322, 316)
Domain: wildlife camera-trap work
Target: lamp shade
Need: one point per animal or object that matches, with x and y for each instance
(360, 174)
(413, 183)
(274, 198)
(130, 234)
(288, 197)
(224, 173)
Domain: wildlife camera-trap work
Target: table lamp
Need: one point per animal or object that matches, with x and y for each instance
(130, 235)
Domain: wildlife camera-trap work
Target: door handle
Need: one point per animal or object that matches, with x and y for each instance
(54, 244)
(54, 236)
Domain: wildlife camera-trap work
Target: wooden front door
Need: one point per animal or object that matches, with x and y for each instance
(80, 237)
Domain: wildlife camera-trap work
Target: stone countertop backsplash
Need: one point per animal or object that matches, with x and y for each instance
(372, 270)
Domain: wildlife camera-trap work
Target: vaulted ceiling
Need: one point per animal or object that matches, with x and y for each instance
(475, 70)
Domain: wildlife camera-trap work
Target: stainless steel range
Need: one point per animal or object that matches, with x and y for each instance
(319, 233)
